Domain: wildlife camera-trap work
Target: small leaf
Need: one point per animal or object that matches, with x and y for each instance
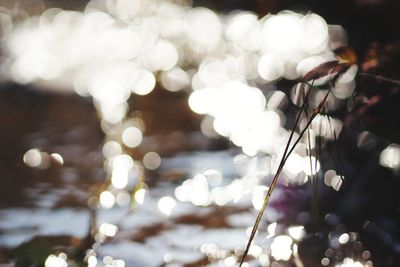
(333, 68)
(346, 54)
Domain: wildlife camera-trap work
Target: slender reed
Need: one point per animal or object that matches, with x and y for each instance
(285, 156)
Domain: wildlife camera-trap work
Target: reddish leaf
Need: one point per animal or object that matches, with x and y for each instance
(328, 68)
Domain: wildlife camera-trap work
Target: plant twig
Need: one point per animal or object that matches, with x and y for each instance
(379, 77)
(337, 150)
(281, 164)
(258, 219)
(314, 180)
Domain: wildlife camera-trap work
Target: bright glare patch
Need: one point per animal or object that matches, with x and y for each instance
(119, 178)
(206, 29)
(92, 261)
(349, 75)
(200, 195)
(107, 199)
(276, 100)
(328, 177)
(166, 205)
(325, 261)
(264, 260)
(337, 182)
(142, 82)
(108, 229)
(139, 195)
(151, 160)
(259, 196)
(123, 47)
(214, 177)
(294, 164)
(311, 168)
(168, 257)
(327, 126)
(344, 238)
(132, 137)
(390, 157)
(58, 158)
(270, 67)
(111, 149)
(182, 192)
(230, 261)
(251, 126)
(344, 90)
(272, 228)
(113, 113)
(119, 263)
(283, 32)
(162, 56)
(33, 158)
(175, 80)
(123, 199)
(315, 32)
(244, 29)
(337, 36)
(219, 196)
(281, 247)
(255, 251)
(197, 101)
(296, 232)
(121, 166)
(54, 261)
(108, 260)
(209, 248)
(127, 9)
(347, 262)
(124, 162)
(195, 190)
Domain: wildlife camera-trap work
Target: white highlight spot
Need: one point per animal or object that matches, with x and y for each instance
(107, 199)
(166, 205)
(132, 137)
(54, 261)
(390, 157)
(281, 247)
(33, 158)
(151, 160)
(108, 229)
(296, 232)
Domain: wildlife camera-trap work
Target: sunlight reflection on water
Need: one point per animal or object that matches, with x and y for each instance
(115, 49)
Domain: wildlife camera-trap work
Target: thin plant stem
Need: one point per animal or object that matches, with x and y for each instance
(315, 113)
(339, 155)
(258, 219)
(379, 77)
(314, 180)
(281, 164)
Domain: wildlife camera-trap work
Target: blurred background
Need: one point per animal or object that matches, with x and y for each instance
(147, 132)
